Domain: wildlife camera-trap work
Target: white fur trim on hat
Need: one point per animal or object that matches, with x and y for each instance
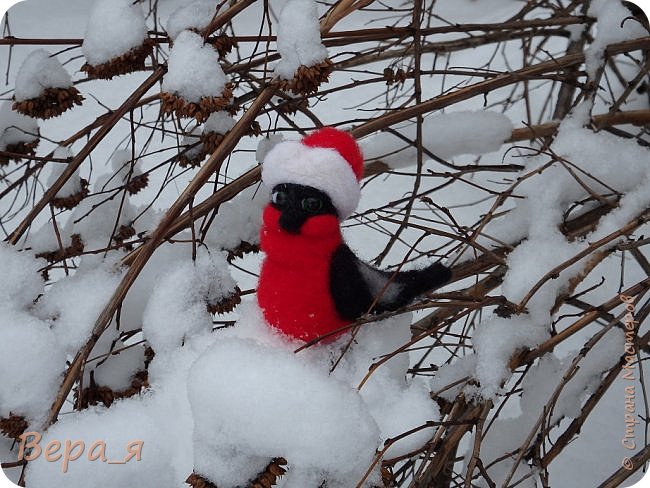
(321, 168)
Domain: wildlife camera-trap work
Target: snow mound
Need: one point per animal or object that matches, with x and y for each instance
(446, 135)
(21, 282)
(299, 41)
(73, 185)
(114, 28)
(73, 303)
(16, 128)
(177, 308)
(194, 71)
(194, 15)
(219, 123)
(238, 220)
(29, 351)
(614, 23)
(38, 72)
(251, 403)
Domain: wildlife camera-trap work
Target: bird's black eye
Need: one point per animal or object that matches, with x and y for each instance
(279, 198)
(312, 205)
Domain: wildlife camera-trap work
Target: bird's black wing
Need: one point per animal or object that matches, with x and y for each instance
(349, 288)
(356, 285)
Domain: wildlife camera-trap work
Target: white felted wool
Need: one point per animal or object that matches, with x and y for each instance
(321, 168)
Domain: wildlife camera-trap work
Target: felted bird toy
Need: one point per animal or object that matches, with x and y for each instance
(311, 283)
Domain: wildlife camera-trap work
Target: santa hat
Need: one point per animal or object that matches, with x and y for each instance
(328, 159)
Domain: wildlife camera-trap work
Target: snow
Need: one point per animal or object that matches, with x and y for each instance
(116, 371)
(191, 145)
(125, 422)
(38, 72)
(122, 165)
(507, 434)
(219, 123)
(29, 349)
(45, 240)
(73, 184)
(167, 450)
(102, 212)
(328, 412)
(536, 219)
(388, 400)
(193, 15)
(299, 42)
(73, 303)
(194, 71)
(114, 28)
(177, 308)
(452, 373)
(21, 283)
(238, 393)
(445, 135)
(15, 128)
(265, 145)
(238, 220)
(611, 27)
(495, 341)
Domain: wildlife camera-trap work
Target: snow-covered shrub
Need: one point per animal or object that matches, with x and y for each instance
(506, 139)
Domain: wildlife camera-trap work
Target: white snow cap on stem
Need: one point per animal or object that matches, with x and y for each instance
(29, 352)
(121, 162)
(177, 308)
(276, 404)
(114, 28)
(219, 123)
(194, 69)
(73, 185)
(445, 135)
(193, 15)
(614, 23)
(299, 41)
(15, 128)
(38, 72)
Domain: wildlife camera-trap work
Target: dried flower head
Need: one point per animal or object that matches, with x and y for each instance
(133, 60)
(71, 201)
(307, 79)
(173, 103)
(75, 248)
(51, 103)
(18, 151)
(226, 304)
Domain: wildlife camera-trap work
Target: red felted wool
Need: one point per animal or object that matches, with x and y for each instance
(342, 142)
(293, 290)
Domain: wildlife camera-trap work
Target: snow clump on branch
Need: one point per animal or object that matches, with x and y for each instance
(114, 28)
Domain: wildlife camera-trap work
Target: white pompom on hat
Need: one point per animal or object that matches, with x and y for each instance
(327, 159)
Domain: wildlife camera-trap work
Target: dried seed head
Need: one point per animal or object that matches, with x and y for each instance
(51, 103)
(211, 141)
(197, 481)
(172, 103)
(307, 79)
(223, 44)
(227, 304)
(75, 248)
(269, 477)
(123, 233)
(243, 248)
(71, 201)
(94, 394)
(20, 149)
(137, 183)
(133, 60)
(13, 426)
